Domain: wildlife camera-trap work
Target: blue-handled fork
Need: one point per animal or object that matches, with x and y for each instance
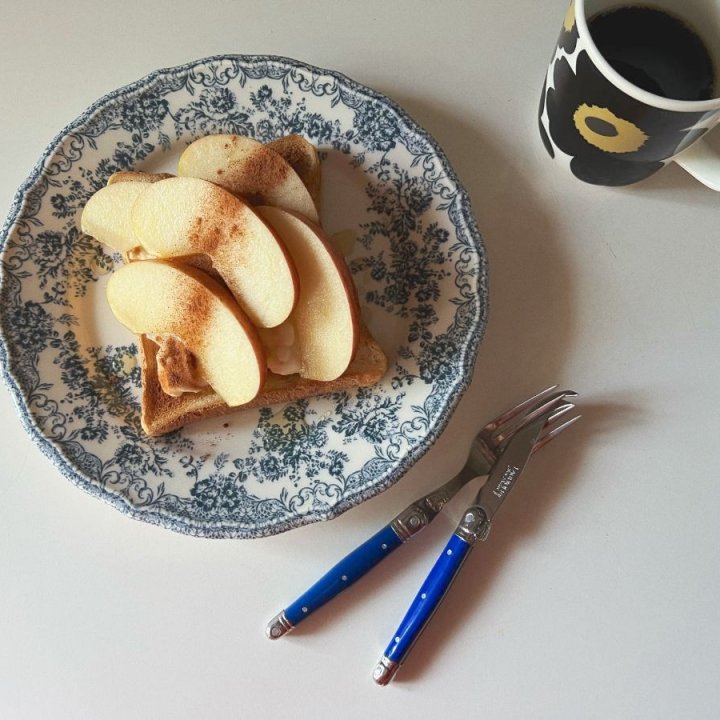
(488, 445)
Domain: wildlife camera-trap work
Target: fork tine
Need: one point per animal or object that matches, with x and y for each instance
(509, 414)
(540, 409)
(563, 409)
(548, 435)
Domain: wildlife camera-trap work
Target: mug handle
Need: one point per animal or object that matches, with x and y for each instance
(702, 162)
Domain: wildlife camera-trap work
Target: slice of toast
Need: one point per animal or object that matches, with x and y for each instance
(163, 413)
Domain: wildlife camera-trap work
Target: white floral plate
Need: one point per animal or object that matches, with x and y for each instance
(417, 259)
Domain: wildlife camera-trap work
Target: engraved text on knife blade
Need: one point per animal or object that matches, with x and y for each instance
(506, 481)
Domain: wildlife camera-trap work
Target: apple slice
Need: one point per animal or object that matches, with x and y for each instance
(106, 215)
(249, 169)
(158, 298)
(185, 216)
(303, 159)
(201, 262)
(326, 319)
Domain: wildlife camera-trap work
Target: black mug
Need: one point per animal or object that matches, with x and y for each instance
(631, 88)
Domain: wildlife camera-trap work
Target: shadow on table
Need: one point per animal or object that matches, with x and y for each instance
(524, 515)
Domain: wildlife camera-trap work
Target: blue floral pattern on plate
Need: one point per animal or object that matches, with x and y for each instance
(417, 260)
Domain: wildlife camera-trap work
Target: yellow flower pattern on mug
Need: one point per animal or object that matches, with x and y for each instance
(611, 138)
(568, 33)
(569, 20)
(602, 128)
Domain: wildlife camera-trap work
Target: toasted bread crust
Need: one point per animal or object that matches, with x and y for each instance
(133, 176)
(162, 413)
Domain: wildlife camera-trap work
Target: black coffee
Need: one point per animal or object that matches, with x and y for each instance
(655, 51)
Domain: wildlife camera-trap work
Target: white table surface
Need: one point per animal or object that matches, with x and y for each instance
(596, 595)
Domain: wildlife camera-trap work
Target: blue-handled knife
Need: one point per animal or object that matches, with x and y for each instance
(474, 526)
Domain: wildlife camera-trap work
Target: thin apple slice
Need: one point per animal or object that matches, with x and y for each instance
(106, 215)
(326, 319)
(304, 160)
(249, 169)
(185, 216)
(201, 262)
(158, 298)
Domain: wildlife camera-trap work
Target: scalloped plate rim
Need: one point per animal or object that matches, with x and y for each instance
(221, 530)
